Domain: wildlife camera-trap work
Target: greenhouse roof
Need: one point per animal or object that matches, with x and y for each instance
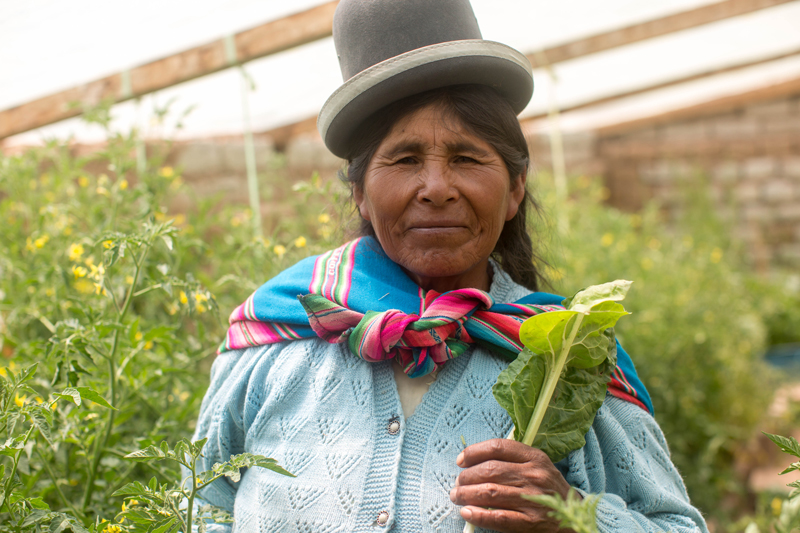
(48, 46)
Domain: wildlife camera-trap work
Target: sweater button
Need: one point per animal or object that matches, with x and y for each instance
(394, 427)
(383, 517)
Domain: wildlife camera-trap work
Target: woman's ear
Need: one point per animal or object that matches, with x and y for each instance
(517, 194)
(361, 201)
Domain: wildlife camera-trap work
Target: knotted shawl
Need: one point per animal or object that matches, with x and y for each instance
(356, 295)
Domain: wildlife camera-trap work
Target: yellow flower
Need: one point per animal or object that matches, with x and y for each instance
(133, 502)
(300, 242)
(50, 292)
(98, 271)
(3, 372)
(776, 505)
(200, 308)
(148, 345)
(279, 250)
(108, 244)
(324, 218)
(29, 245)
(20, 400)
(102, 191)
(75, 252)
(124, 507)
(236, 221)
(607, 240)
(99, 289)
(172, 308)
(67, 231)
(41, 241)
(183, 299)
(198, 481)
(83, 181)
(102, 180)
(129, 280)
(112, 529)
(716, 255)
(84, 287)
(39, 400)
(179, 219)
(176, 184)
(31, 289)
(79, 271)
(138, 336)
(199, 297)
(122, 186)
(325, 231)
(166, 172)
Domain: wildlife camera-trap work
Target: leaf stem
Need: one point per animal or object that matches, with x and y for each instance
(549, 385)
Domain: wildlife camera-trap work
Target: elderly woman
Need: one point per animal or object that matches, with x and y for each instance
(366, 385)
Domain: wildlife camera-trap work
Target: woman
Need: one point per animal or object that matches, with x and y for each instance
(409, 318)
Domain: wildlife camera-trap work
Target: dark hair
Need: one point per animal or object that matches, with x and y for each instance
(484, 113)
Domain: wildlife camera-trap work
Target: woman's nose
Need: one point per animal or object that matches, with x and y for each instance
(437, 185)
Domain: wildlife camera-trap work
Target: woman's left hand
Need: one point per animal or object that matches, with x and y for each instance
(496, 473)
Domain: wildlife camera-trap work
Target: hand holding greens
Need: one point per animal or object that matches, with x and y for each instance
(554, 388)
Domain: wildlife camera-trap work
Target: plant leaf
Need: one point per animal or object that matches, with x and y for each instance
(92, 395)
(586, 299)
(787, 444)
(581, 388)
(71, 395)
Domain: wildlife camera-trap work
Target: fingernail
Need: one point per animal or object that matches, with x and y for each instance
(460, 458)
(466, 514)
(452, 494)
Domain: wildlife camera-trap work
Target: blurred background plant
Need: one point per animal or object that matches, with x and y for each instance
(700, 323)
(109, 298)
(120, 297)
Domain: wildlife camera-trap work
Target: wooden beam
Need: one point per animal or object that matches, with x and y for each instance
(302, 28)
(647, 30)
(718, 105)
(270, 38)
(663, 85)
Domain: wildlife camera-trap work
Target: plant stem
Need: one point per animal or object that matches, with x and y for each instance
(61, 496)
(549, 385)
(190, 506)
(100, 444)
(10, 482)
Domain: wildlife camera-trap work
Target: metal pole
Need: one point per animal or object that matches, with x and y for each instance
(250, 155)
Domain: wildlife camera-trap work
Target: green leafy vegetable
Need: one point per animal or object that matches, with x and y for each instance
(554, 388)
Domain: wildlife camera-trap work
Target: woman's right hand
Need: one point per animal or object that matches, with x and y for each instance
(496, 474)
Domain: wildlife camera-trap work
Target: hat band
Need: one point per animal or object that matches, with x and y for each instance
(369, 77)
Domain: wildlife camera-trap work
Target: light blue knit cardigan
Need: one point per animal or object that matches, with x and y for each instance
(325, 415)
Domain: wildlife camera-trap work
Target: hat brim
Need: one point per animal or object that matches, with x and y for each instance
(451, 63)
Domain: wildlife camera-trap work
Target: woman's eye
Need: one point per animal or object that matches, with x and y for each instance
(465, 159)
(406, 161)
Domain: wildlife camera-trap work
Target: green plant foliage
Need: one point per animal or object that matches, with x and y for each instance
(697, 329)
(575, 513)
(554, 388)
(108, 323)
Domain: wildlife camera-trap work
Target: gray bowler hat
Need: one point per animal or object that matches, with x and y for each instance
(391, 49)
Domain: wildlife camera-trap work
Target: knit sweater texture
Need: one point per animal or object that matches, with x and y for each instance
(336, 422)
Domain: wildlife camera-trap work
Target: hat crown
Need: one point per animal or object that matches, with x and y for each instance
(366, 32)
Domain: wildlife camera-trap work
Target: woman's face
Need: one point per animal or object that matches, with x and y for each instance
(438, 197)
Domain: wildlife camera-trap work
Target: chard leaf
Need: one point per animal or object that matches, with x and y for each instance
(553, 389)
(613, 291)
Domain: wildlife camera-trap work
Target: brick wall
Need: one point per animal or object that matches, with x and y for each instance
(748, 157)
